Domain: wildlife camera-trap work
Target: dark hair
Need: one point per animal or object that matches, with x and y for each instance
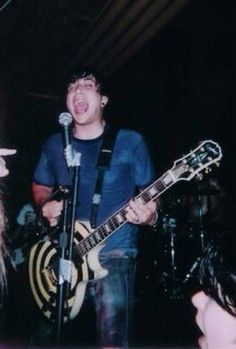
(86, 72)
(217, 272)
(4, 253)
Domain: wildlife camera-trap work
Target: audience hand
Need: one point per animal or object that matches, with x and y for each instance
(4, 152)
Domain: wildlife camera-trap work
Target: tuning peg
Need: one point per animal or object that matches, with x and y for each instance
(217, 164)
(209, 158)
(207, 170)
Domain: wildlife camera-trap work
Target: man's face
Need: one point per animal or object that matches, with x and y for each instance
(217, 325)
(84, 101)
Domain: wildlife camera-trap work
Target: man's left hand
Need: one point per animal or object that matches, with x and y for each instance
(139, 213)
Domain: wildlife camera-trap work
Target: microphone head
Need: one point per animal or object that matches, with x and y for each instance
(65, 119)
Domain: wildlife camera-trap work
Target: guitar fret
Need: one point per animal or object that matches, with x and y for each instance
(146, 196)
(83, 248)
(104, 231)
(96, 236)
(77, 254)
(115, 222)
(107, 227)
(86, 244)
(78, 249)
(123, 214)
(160, 186)
(92, 240)
(111, 224)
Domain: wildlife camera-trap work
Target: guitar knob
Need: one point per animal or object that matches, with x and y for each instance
(207, 170)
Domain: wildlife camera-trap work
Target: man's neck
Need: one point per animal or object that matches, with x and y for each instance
(90, 131)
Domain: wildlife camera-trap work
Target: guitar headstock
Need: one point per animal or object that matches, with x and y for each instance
(199, 159)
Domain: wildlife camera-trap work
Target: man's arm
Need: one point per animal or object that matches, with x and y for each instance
(41, 193)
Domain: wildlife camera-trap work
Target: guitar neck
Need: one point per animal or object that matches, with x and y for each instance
(119, 218)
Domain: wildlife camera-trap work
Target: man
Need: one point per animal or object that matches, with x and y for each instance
(216, 303)
(130, 169)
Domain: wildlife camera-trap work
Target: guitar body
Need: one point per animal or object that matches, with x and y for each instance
(42, 267)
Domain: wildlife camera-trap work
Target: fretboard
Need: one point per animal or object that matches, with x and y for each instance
(119, 218)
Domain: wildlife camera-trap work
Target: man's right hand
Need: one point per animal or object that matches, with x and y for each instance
(52, 211)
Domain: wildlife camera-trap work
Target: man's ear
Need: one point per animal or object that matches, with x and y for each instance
(104, 101)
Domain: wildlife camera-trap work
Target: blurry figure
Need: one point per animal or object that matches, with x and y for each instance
(27, 215)
(201, 209)
(3, 250)
(208, 202)
(3, 220)
(216, 302)
(25, 233)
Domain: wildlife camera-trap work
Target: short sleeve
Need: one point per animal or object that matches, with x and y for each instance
(144, 172)
(44, 173)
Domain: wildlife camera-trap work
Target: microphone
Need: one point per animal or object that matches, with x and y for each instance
(65, 120)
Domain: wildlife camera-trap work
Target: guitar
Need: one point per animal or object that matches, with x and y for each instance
(43, 257)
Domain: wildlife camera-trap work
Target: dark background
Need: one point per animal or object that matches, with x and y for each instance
(176, 90)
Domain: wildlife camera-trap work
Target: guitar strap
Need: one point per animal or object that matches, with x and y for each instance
(103, 164)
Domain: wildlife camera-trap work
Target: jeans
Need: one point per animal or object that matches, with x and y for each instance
(113, 300)
(113, 296)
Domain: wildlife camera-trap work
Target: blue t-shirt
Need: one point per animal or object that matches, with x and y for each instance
(130, 169)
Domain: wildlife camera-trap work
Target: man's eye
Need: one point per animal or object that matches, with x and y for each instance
(88, 86)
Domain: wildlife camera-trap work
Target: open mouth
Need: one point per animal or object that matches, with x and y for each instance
(81, 106)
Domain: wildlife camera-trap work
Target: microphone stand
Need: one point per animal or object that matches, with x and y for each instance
(66, 243)
(200, 215)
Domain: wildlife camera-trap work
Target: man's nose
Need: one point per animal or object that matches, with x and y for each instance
(79, 89)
